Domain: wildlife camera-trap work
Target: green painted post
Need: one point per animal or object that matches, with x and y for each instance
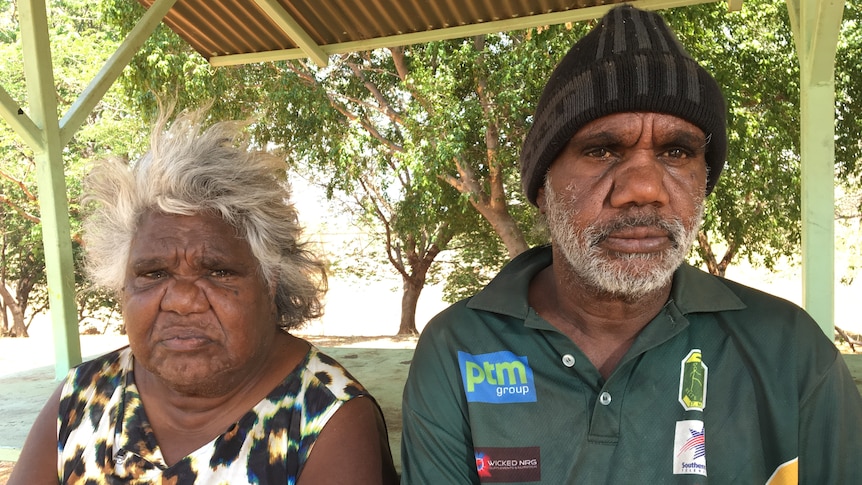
(816, 25)
(59, 263)
(818, 198)
(50, 176)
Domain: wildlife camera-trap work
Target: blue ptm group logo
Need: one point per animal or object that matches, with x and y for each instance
(499, 377)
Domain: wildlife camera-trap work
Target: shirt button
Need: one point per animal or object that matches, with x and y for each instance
(605, 398)
(568, 360)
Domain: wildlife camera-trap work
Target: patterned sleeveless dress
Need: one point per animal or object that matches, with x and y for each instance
(105, 437)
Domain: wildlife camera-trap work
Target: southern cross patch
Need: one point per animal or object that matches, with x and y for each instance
(498, 377)
(689, 448)
(692, 382)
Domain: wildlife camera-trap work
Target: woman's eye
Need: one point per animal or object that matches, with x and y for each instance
(153, 275)
(220, 273)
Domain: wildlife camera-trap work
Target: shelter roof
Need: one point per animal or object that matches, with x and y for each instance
(243, 31)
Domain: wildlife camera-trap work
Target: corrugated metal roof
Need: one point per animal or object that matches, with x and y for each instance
(238, 31)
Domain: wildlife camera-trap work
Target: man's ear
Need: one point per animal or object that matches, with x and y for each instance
(540, 200)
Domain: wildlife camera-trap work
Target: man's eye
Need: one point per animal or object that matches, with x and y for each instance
(678, 153)
(599, 153)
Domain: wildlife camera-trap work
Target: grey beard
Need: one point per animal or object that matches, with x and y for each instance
(629, 276)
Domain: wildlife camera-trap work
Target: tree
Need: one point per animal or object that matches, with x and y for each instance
(80, 47)
(382, 126)
(21, 254)
(389, 133)
(451, 115)
(755, 211)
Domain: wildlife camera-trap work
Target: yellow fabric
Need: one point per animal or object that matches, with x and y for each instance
(786, 474)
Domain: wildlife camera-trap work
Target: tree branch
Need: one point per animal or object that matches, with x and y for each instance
(19, 210)
(385, 106)
(30, 196)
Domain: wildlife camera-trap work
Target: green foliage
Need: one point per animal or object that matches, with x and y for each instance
(755, 207)
(431, 133)
(21, 250)
(472, 261)
(167, 69)
(80, 46)
(848, 72)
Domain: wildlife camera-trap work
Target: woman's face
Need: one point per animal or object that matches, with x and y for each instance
(198, 314)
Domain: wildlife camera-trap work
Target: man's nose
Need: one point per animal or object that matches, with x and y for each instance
(639, 180)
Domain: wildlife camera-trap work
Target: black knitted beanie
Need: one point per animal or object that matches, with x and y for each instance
(631, 61)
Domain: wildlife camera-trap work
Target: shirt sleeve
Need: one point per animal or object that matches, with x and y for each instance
(830, 428)
(436, 443)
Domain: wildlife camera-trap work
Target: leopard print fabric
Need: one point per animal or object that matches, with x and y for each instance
(105, 437)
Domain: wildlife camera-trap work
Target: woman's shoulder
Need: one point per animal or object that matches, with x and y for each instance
(91, 390)
(103, 372)
(323, 370)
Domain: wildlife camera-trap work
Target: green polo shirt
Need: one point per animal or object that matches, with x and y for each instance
(726, 384)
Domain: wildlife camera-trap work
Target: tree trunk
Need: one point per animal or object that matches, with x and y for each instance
(5, 329)
(409, 301)
(715, 267)
(506, 227)
(19, 329)
(496, 209)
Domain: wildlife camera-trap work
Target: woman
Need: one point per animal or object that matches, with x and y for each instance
(201, 244)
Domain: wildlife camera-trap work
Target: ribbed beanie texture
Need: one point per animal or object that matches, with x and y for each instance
(630, 62)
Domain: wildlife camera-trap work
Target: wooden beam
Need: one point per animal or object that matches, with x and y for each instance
(11, 111)
(292, 28)
(734, 5)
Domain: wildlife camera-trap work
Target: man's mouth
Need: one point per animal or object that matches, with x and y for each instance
(637, 240)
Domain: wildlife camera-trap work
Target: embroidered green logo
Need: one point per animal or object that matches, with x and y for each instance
(692, 382)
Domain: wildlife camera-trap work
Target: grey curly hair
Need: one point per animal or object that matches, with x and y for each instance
(191, 170)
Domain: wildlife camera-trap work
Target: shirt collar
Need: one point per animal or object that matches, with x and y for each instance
(693, 291)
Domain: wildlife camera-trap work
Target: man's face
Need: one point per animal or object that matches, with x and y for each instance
(198, 313)
(624, 200)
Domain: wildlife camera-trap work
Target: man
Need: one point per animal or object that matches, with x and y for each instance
(604, 358)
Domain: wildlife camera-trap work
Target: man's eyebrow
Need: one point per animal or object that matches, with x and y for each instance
(595, 138)
(687, 137)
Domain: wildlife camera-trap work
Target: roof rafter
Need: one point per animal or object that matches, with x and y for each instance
(291, 27)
